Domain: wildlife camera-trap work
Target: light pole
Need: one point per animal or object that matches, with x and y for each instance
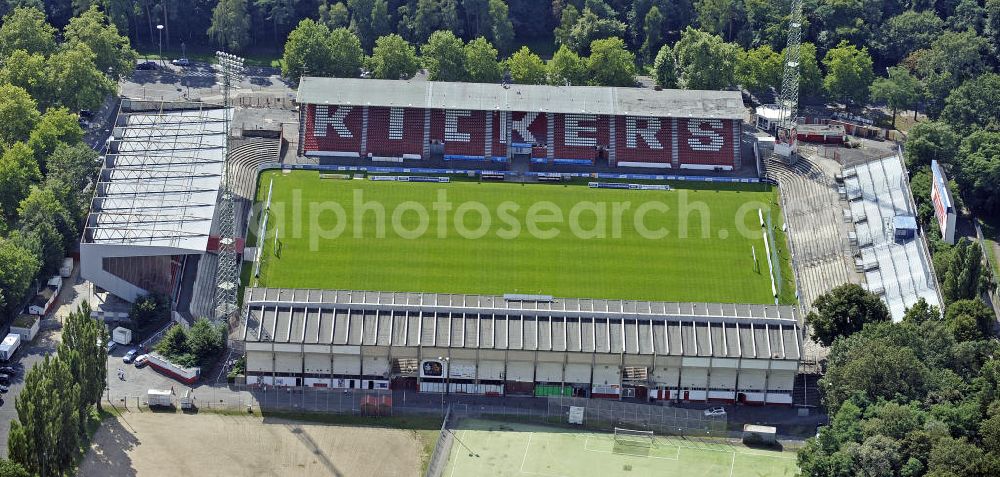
(183, 50)
(159, 29)
(447, 374)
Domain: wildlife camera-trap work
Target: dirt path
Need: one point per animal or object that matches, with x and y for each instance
(153, 444)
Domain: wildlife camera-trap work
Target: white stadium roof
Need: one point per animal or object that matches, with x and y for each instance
(160, 181)
(671, 103)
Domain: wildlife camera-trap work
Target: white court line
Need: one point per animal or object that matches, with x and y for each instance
(523, 459)
(732, 466)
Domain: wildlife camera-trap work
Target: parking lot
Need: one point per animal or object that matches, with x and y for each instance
(199, 81)
(26, 356)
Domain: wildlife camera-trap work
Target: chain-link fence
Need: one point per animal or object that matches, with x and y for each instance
(442, 451)
(606, 415)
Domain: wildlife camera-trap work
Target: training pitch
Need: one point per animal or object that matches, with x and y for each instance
(694, 243)
(504, 449)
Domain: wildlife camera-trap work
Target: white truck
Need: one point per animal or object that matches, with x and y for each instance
(160, 397)
(9, 346)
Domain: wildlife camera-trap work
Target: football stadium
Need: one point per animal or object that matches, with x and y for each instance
(520, 240)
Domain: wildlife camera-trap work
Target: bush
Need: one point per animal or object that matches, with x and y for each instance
(194, 347)
(150, 309)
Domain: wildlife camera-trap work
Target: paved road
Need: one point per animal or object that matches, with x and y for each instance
(44, 344)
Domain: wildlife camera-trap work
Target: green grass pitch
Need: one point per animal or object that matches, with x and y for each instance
(587, 258)
(509, 450)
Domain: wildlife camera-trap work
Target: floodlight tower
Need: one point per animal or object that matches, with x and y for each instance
(227, 278)
(788, 102)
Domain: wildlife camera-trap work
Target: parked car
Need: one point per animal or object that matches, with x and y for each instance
(181, 62)
(86, 113)
(8, 370)
(141, 360)
(4, 389)
(111, 346)
(4, 379)
(146, 66)
(130, 355)
(715, 411)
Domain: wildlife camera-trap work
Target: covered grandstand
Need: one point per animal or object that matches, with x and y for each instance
(155, 199)
(521, 345)
(398, 121)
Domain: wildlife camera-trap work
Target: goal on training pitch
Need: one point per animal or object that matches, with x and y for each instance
(634, 437)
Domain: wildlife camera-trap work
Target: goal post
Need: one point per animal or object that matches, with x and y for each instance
(634, 437)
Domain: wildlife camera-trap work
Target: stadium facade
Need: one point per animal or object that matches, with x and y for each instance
(491, 345)
(397, 121)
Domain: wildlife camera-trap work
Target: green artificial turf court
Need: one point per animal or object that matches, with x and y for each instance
(608, 244)
(508, 450)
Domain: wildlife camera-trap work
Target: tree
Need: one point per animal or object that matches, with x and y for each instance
(28, 72)
(921, 312)
(481, 64)
(114, 54)
(174, 345)
(230, 25)
(18, 114)
(810, 77)
(716, 16)
(76, 82)
(43, 216)
(974, 104)
(900, 90)
(970, 319)
(501, 32)
(907, 32)
(26, 29)
(361, 20)
(567, 19)
(9, 468)
(347, 54)
(843, 311)
(431, 16)
(877, 456)
(566, 67)
(930, 141)
(952, 58)
(72, 170)
(611, 64)
(57, 126)
(279, 12)
(308, 51)
(206, 340)
(979, 171)
(85, 337)
(760, 70)
(704, 61)
(969, 15)
(444, 57)
(526, 67)
(950, 456)
(961, 278)
(393, 58)
(333, 16)
(18, 267)
(848, 73)
(653, 32)
(18, 171)
(589, 28)
(665, 68)
(45, 438)
(992, 28)
(150, 309)
(872, 368)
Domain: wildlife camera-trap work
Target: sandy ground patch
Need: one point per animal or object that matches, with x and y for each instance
(153, 444)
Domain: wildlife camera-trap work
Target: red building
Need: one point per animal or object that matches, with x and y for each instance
(624, 127)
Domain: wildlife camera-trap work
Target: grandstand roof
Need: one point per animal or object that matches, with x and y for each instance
(160, 181)
(519, 97)
(363, 318)
(904, 272)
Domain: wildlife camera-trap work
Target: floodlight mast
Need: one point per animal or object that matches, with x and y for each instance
(227, 278)
(788, 102)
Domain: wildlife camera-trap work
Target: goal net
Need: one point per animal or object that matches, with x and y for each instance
(634, 437)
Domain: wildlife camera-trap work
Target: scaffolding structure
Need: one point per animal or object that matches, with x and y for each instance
(227, 278)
